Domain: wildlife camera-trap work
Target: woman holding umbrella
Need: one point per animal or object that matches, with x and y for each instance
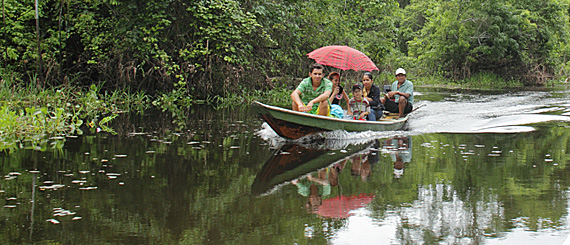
(337, 95)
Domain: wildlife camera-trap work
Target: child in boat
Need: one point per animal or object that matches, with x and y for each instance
(359, 107)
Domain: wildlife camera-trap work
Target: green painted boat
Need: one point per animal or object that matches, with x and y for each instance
(293, 124)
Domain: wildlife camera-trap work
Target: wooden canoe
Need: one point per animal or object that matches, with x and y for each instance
(293, 124)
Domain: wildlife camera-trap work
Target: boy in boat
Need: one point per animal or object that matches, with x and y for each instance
(359, 107)
(313, 93)
(400, 99)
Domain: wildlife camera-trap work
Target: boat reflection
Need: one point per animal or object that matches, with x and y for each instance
(314, 169)
(296, 161)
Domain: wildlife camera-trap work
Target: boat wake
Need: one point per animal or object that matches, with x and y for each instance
(514, 113)
(333, 140)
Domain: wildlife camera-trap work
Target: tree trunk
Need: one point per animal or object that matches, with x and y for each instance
(39, 59)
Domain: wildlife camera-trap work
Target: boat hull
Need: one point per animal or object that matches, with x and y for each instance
(293, 124)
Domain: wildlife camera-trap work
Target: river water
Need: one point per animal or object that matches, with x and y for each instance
(470, 167)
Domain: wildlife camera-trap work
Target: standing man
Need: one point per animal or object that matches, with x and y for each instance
(400, 100)
(313, 92)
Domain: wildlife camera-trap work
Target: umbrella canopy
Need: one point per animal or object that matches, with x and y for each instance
(340, 207)
(342, 57)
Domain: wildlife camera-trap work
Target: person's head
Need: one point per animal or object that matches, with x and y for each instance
(367, 79)
(335, 78)
(401, 75)
(398, 167)
(316, 72)
(357, 91)
(356, 164)
(315, 199)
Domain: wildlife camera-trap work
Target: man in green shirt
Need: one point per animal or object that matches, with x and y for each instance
(313, 92)
(400, 100)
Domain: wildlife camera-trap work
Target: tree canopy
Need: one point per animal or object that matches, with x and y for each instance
(216, 47)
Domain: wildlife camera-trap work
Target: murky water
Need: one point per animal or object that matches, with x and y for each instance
(470, 167)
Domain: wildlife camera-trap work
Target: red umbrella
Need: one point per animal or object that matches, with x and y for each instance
(339, 207)
(342, 57)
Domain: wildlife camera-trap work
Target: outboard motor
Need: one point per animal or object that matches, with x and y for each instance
(387, 88)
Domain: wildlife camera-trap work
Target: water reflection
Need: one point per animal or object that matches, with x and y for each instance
(221, 183)
(294, 162)
(399, 148)
(317, 172)
(459, 188)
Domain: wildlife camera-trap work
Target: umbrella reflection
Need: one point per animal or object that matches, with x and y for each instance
(341, 206)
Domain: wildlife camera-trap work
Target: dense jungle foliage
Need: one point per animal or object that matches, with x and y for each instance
(208, 48)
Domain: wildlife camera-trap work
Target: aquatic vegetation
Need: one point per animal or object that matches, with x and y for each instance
(36, 118)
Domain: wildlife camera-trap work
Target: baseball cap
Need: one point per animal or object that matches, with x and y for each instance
(400, 71)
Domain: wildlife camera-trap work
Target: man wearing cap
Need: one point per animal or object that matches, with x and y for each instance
(400, 100)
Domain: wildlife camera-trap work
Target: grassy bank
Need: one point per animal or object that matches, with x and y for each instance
(36, 118)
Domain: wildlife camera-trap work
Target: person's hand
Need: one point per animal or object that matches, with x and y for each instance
(392, 93)
(335, 91)
(306, 108)
(362, 115)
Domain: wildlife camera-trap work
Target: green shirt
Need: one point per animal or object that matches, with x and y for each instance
(304, 188)
(407, 88)
(308, 94)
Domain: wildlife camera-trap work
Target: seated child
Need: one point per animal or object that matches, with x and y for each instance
(359, 107)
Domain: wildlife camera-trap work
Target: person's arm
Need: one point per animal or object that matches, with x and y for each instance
(333, 94)
(345, 97)
(296, 97)
(318, 181)
(406, 95)
(366, 111)
(408, 92)
(375, 96)
(324, 96)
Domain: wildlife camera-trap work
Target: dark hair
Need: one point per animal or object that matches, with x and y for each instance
(332, 74)
(356, 86)
(369, 75)
(316, 66)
